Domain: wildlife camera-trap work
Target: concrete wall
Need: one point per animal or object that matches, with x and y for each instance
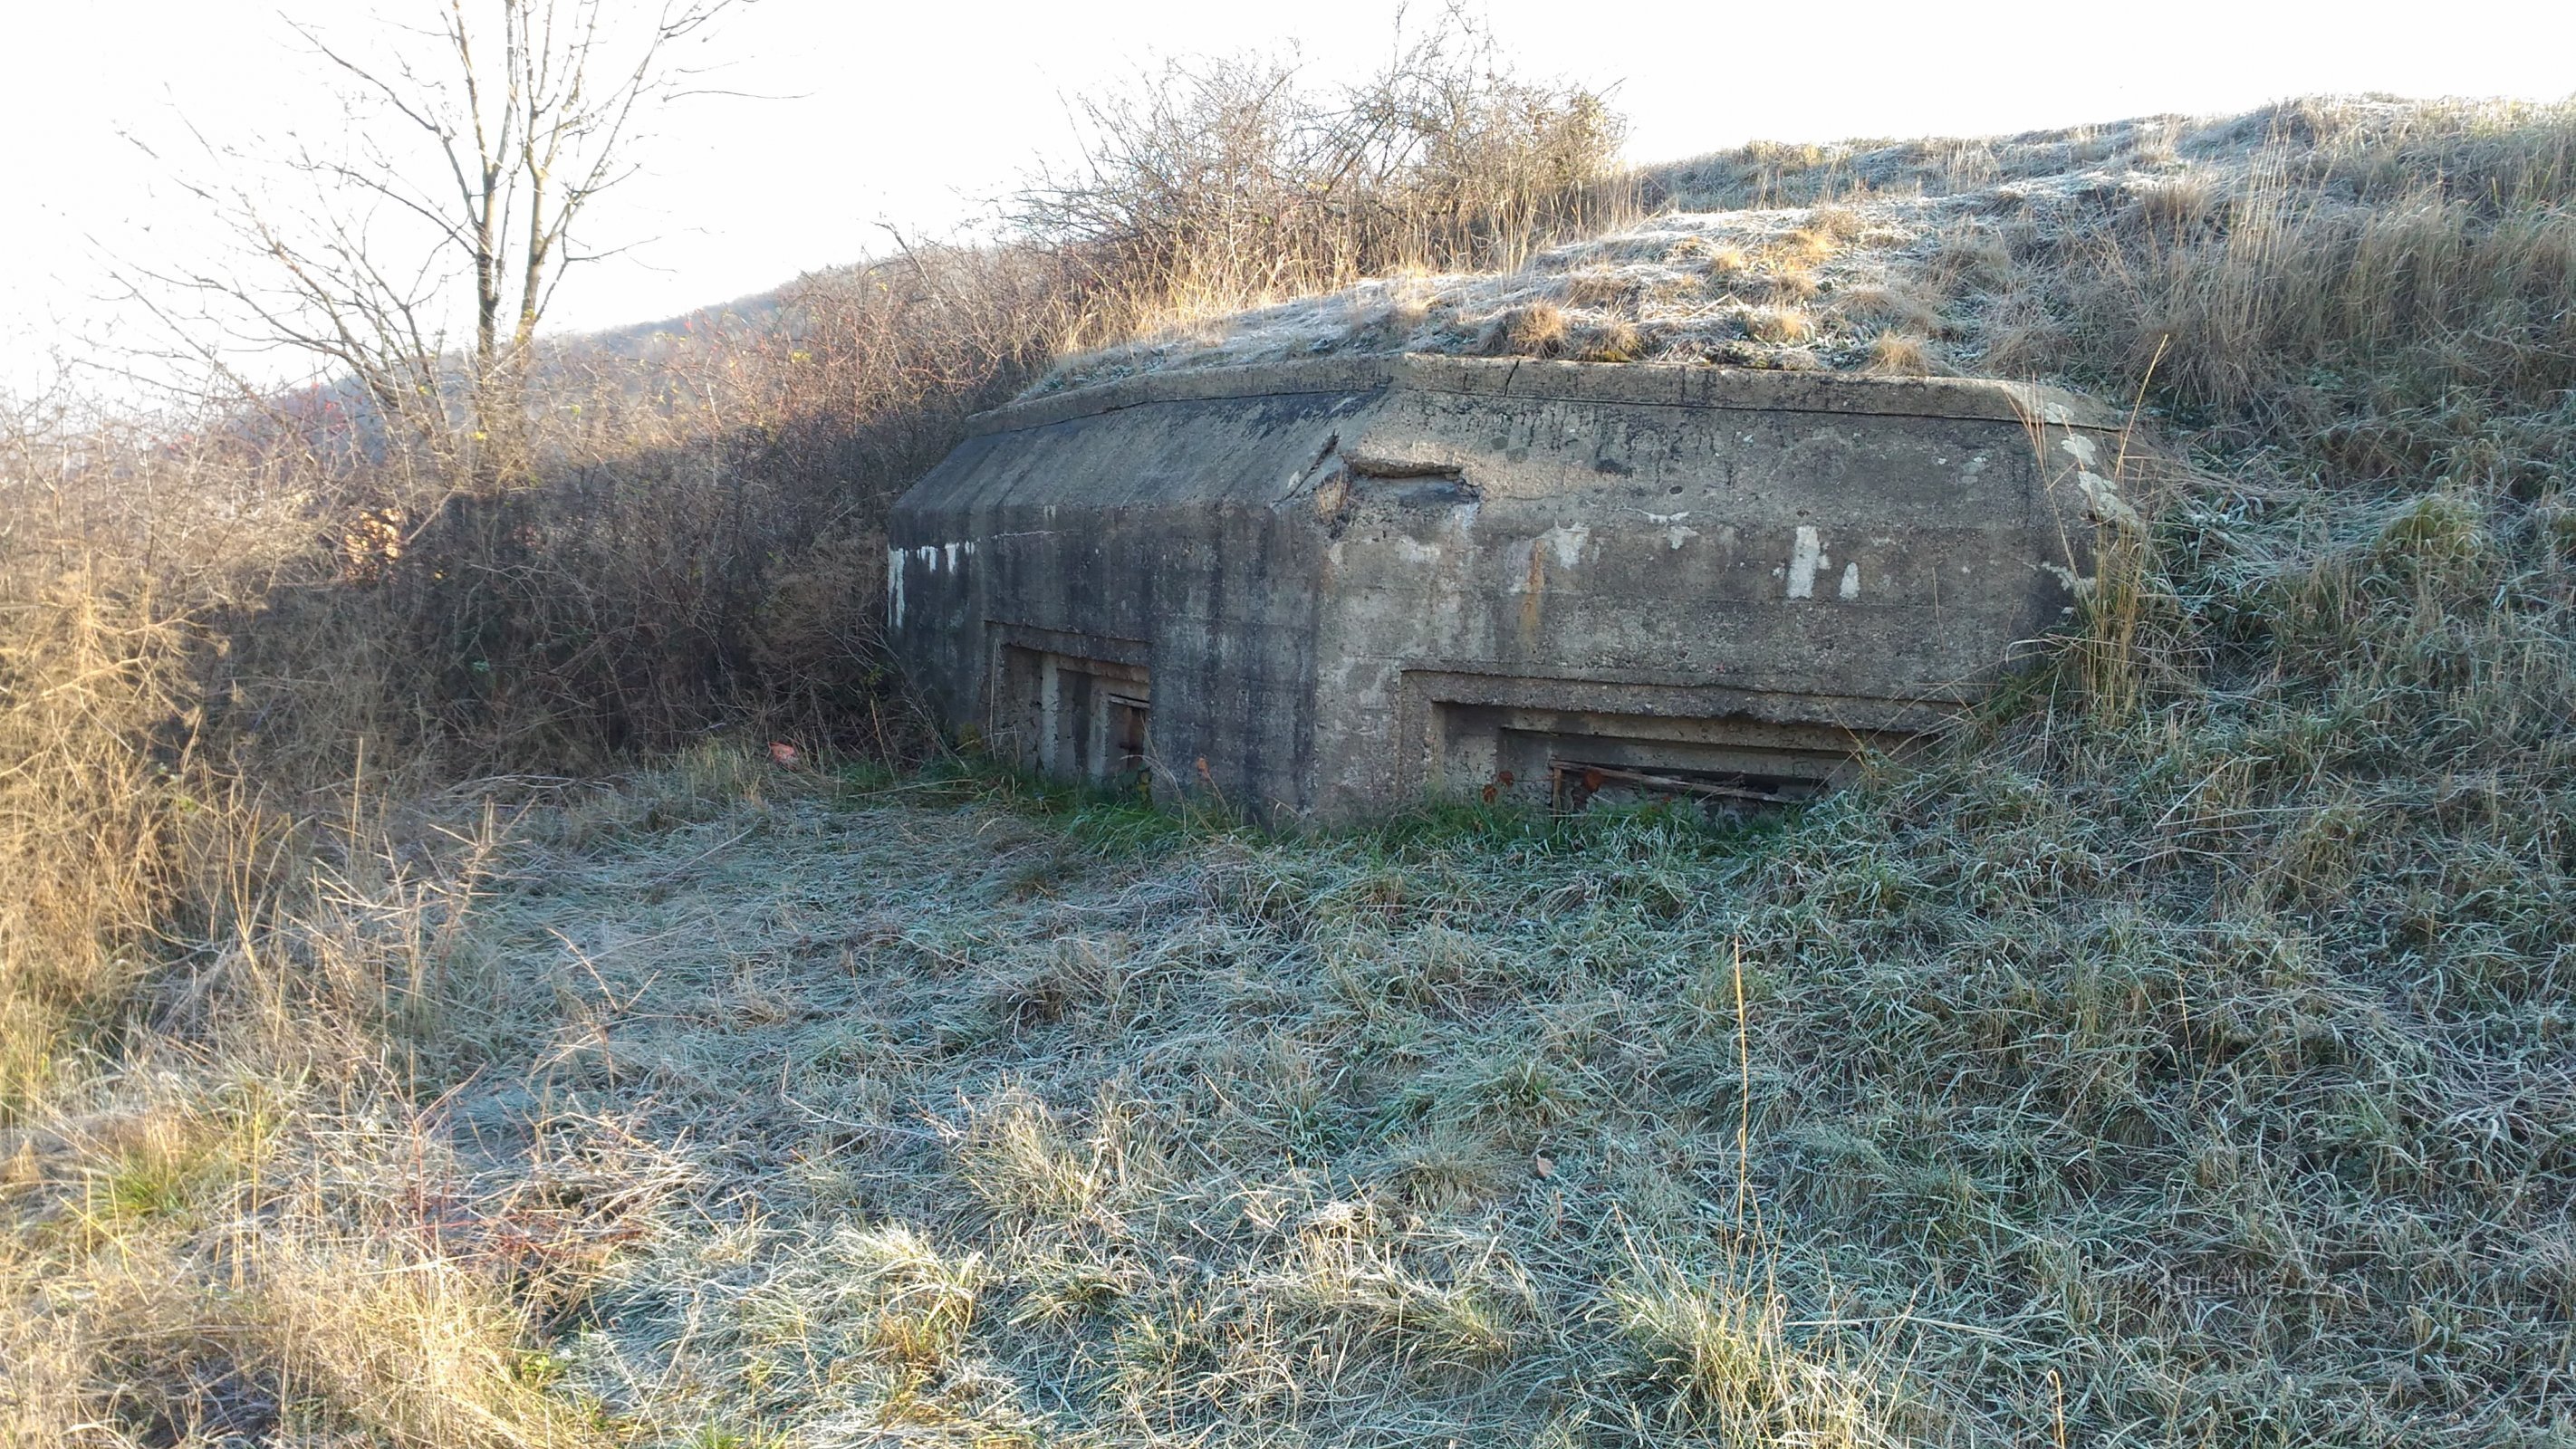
(1346, 581)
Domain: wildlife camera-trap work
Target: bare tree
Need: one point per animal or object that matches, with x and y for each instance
(474, 146)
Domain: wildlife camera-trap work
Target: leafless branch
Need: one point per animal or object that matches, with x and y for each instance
(475, 143)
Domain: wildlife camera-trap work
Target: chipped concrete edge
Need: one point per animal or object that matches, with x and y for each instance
(1635, 384)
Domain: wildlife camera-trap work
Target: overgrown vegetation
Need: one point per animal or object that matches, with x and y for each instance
(1223, 183)
(2179, 1055)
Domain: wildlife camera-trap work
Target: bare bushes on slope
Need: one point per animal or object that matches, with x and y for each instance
(1224, 183)
(89, 670)
(710, 553)
(111, 541)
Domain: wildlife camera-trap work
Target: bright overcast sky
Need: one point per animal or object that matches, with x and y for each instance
(909, 113)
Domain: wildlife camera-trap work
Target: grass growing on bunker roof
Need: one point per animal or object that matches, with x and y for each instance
(2318, 235)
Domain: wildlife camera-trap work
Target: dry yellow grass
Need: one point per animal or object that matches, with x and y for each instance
(1790, 286)
(1899, 354)
(1883, 306)
(1600, 289)
(1778, 325)
(1725, 262)
(1824, 233)
(92, 663)
(1616, 340)
(1534, 330)
(2177, 203)
(249, 1228)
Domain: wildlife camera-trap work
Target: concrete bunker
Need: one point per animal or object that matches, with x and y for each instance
(1318, 588)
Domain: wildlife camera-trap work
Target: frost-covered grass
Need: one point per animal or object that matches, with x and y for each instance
(1030, 1121)
(2186, 1072)
(1802, 287)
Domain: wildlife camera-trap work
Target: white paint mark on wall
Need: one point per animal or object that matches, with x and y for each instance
(2102, 500)
(1851, 581)
(1566, 541)
(1805, 557)
(1414, 551)
(1675, 535)
(930, 554)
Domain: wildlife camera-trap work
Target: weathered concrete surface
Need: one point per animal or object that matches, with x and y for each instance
(1318, 587)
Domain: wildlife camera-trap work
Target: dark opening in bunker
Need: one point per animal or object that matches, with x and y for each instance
(1570, 759)
(1073, 715)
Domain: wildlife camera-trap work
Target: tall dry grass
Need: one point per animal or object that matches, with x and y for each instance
(199, 981)
(84, 806)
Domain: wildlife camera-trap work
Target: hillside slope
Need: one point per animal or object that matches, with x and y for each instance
(2183, 1052)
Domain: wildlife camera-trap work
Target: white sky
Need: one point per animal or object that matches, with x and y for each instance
(909, 113)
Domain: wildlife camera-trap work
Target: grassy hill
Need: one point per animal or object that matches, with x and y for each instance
(2182, 1053)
